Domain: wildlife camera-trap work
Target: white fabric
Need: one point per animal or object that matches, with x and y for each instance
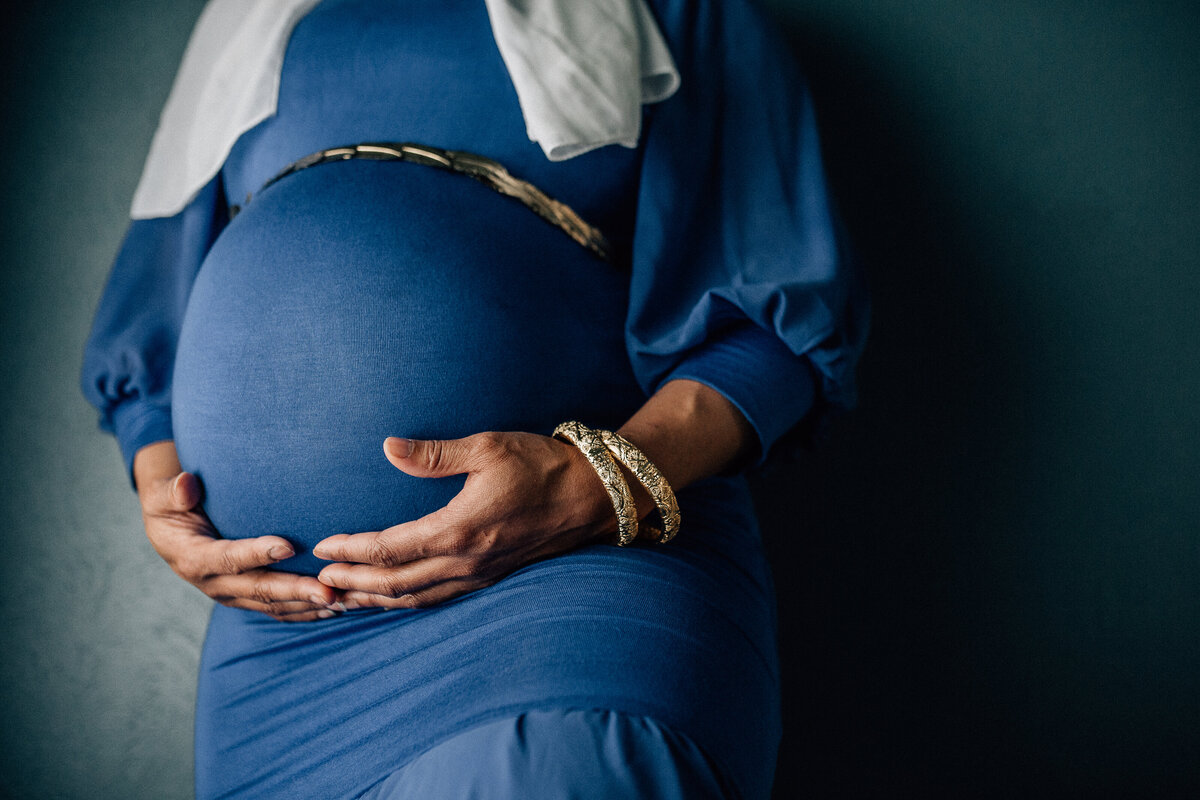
(228, 83)
(582, 70)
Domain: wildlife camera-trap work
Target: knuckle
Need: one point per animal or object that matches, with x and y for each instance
(227, 563)
(189, 568)
(488, 440)
(471, 566)
(458, 541)
(451, 545)
(260, 591)
(391, 586)
(432, 455)
(492, 445)
(476, 544)
(379, 551)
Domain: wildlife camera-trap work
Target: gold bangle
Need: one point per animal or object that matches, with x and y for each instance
(649, 476)
(592, 446)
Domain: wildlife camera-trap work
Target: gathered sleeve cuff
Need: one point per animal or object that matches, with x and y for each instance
(130, 352)
(753, 370)
(137, 423)
(742, 275)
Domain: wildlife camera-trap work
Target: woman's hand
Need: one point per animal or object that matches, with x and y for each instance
(526, 497)
(232, 572)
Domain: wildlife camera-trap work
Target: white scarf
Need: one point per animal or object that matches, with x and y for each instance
(582, 70)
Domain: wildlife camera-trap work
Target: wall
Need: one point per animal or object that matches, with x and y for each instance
(100, 640)
(994, 585)
(990, 580)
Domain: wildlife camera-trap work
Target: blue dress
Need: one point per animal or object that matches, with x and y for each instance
(358, 300)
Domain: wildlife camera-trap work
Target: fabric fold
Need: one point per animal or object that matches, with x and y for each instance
(582, 70)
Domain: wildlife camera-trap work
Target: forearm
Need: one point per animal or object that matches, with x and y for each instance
(690, 432)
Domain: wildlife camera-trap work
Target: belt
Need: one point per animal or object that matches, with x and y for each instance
(486, 171)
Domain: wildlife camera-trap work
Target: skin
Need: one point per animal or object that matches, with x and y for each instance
(526, 497)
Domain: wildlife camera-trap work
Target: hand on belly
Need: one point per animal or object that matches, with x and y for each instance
(337, 309)
(526, 497)
(234, 573)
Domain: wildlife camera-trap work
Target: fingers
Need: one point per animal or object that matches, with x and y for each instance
(231, 571)
(271, 591)
(434, 458)
(363, 548)
(284, 612)
(233, 556)
(178, 494)
(286, 609)
(281, 595)
(432, 535)
(185, 492)
(394, 582)
(423, 598)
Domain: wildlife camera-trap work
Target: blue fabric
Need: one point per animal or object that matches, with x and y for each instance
(734, 217)
(301, 353)
(130, 354)
(725, 359)
(358, 300)
(558, 755)
(730, 209)
(681, 634)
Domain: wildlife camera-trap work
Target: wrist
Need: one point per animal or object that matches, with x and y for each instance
(155, 462)
(590, 499)
(690, 432)
(641, 498)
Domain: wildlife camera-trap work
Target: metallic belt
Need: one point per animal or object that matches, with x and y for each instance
(484, 170)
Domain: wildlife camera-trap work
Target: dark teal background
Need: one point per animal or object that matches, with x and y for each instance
(989, 578)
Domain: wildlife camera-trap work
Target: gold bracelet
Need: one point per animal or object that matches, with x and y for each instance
(649, 476)
(592, 446)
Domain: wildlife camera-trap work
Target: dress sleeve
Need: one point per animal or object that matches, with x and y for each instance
(742, 279)
(131, 350)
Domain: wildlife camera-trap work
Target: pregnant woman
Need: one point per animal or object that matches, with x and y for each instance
(334, 365)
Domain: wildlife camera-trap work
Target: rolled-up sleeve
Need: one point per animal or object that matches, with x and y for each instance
(742, 278)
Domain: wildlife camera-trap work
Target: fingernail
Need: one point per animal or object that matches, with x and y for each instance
(318, 600)
(280, 552)
(326, 613)
(319, 552)
(350, 605)
(399, 448)
(337, 605)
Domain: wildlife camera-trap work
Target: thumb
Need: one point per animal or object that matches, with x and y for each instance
(184, 492)
(430, 458)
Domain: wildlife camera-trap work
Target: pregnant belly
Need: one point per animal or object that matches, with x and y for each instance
(357, 301)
